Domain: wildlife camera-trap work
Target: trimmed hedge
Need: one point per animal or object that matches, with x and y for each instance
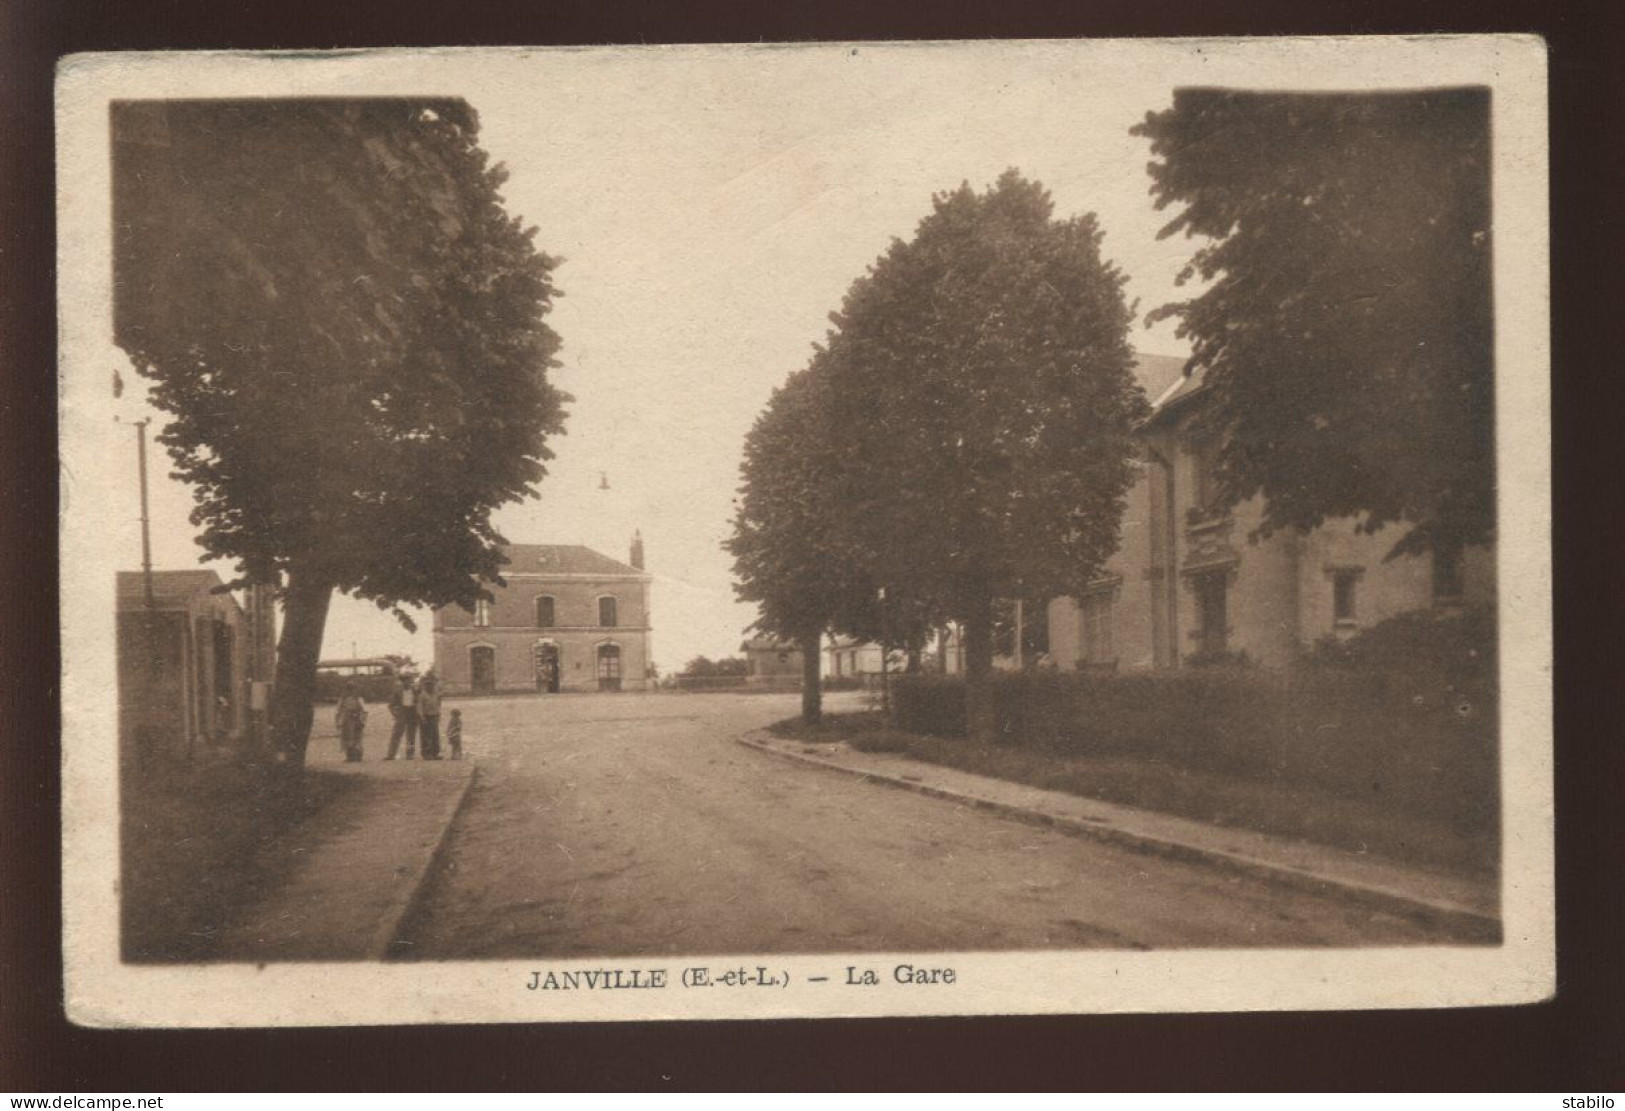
(1406, 714)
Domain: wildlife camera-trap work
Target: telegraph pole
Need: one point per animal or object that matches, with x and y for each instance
(149, 612)
(146, 527)
(885, 657)
(1021, 634)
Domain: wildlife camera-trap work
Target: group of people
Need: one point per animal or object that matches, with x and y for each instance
(415, 706)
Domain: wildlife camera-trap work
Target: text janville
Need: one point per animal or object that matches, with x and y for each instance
(704, 976)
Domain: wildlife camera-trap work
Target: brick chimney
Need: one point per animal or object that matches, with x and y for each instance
(637, 550)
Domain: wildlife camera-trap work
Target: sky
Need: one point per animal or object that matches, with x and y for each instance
(710, 217)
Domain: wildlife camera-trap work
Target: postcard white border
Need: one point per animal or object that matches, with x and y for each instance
(102, 991)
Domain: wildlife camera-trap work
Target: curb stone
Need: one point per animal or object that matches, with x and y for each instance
(383, 942)
(1447, 915)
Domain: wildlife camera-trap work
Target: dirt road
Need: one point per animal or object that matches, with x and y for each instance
(633, 825)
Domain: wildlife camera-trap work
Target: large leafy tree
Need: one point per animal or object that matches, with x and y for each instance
(347, 332)
(790, 543)
(981, 386)
(1346, 335)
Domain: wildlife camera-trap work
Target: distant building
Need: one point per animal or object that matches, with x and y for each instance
(846, 658)
(948, 651)
(771, 663)
(570, 619)
(1187, 584)
(183, 666)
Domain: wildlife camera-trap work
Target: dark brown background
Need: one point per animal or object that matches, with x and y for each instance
(1571, 1045)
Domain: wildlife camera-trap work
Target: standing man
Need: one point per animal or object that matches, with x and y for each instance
(403, 706)
(429, 714)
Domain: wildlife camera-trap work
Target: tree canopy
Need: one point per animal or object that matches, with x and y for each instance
(792, 554)
(984, 379)
(964, 435)
(788, 543)
(346, 330)
(703, 667)
(1346, 337)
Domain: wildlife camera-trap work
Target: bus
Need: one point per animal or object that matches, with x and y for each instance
(374, 679)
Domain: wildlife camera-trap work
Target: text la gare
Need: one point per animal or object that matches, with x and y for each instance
(902, 974)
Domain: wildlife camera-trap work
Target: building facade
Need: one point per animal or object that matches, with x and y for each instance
(848, 659)
(569, 619)
(771, 663)
(1189, 583)
(183, 667)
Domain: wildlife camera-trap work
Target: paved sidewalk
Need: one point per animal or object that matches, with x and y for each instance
(365, 858)
(1462, 903)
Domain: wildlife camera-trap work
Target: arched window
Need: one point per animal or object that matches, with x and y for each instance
(544, 611)
(606, 611)
(545, 659)
(609, 666)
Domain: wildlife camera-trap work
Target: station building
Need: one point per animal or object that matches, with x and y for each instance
(569, 619)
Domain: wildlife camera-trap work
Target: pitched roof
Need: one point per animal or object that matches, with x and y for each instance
(1157, 373)
(1181, 388)
(169, 588)
(563, 559)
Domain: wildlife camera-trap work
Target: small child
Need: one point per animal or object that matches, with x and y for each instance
(454, 734)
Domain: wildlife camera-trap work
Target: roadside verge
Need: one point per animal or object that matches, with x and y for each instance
(1462, 905)
(364, 865)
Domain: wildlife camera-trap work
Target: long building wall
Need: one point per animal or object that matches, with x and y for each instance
(1280, 591)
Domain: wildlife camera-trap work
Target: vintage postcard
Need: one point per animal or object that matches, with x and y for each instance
(806, 530)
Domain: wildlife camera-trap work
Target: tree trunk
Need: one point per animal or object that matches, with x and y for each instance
(978, 631)
(304, 618)
(913, 665)
(812, 679)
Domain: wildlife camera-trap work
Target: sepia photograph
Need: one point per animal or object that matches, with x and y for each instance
(842, 529)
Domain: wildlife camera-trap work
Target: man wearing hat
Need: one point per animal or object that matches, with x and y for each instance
(403, 707)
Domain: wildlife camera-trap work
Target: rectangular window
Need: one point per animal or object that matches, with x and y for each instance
(606, 611)
(1097, 629)
(1446, 576)
(544, 612)
(1212, 611)
(1205, 481)
(1343, 586)
(482, 612)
